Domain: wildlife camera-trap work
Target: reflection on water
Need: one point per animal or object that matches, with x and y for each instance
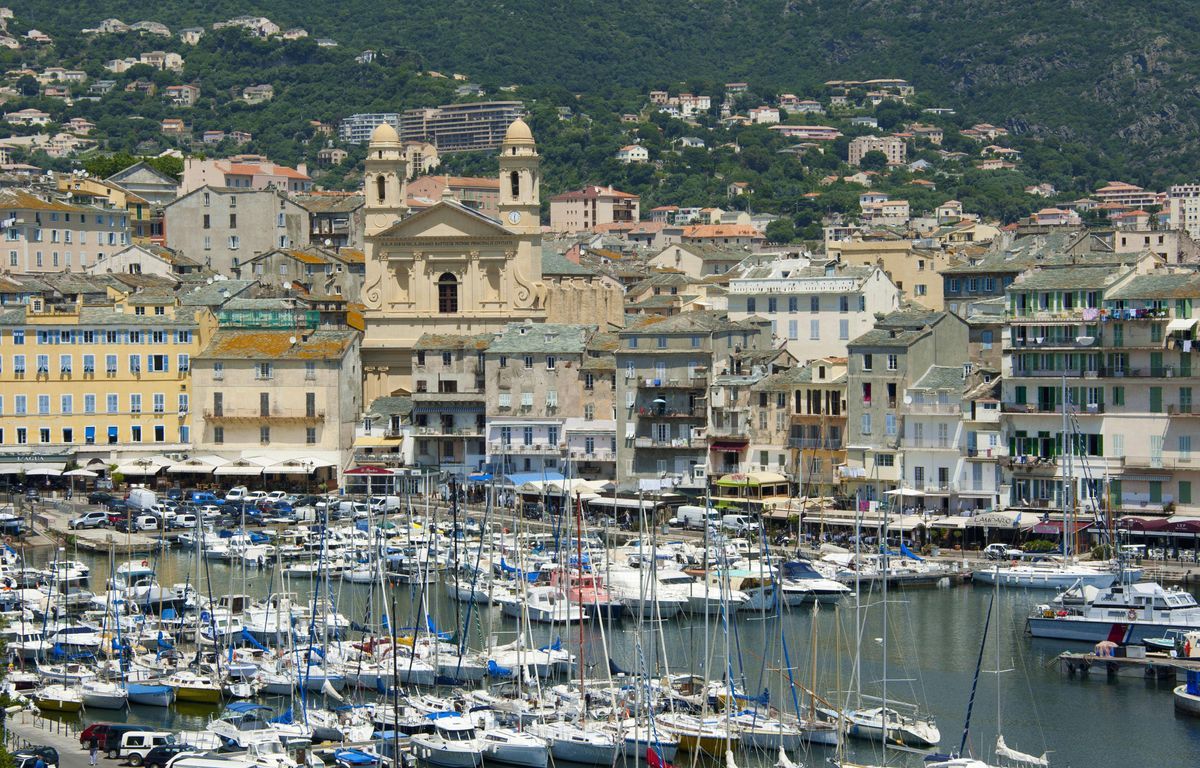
(932, 647)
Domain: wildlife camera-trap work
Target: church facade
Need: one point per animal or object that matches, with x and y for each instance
(447, 269)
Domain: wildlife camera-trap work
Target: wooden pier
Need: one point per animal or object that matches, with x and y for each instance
(1153, 666)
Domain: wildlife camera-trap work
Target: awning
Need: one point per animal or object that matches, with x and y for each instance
(517, 479)
(448, 408)
(43, 472)
(297, 466)
(1056, 526)
(1183, 324)
(368, 471)
(81, 473)
(998, 519)
(1143, 523)
(952, 522)
(143, 468)
(728, 445)
(1179, 524)
(192, 465)
(239, 469)
(373, 441)
(913, 492)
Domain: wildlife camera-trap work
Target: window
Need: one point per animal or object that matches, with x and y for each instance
(110, 365)
(814, 330)
(551, 362)
(506, 435)
(866, 424)
(157, 363)
(843, 303)
(526, 399)
(552, 398)
(160, 433)
(589, 411)
(233, 221)
(889, 424)
(19, 365)
(772, 305)
(885, 459)
(66, 405)
(264, 435)
(527, 435)
(505, 400)
(866, 361)
(110, 404)
(986, 339)
(43, 363)
(64, 363)
(793, 330)
(844, 329)
(263, 371)
(235, 242)
(218, 371)
(264, 403)
(135, 403)
(207, 222)
(750, 304)
(135, 364)
(218, 435)
(160, 402)
(184, 363)
(183, 402)
(891, 362)
(695, 342)
(447, 286)
(44, 435)
(89, 363)
(43, 402)
(1185, 447)
(310, 435)
(18, 336)
(22, 436)
(89, 404)
(310, 404)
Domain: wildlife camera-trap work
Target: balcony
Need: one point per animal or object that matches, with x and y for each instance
(1072, 316)
(677, 444)
(816, 443)
(255, 415)
(1048, 343)
(448, 397)
(699, 412)
(1030, 463)
(1160, 372)
(1156, 462)
(728, 430)
(1188, 409)
(1046, 408)
(362, 458)
(584, 456)
(532, 449)
(935, 409)
(437, 431)
(986, 454)
(926, 444)
(694, 382)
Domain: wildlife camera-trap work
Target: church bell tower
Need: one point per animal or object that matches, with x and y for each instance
(384, 180)
(520, 181)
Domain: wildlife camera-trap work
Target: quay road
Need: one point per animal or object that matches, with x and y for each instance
(29, 728)
(52, 518)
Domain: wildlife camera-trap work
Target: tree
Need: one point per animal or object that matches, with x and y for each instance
(28, 85)
(873, 161)
(781, 231)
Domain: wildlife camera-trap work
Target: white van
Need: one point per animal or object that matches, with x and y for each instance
(384, 503)
(739, 524)
(135, 745)
(142, 498)
(696, 518)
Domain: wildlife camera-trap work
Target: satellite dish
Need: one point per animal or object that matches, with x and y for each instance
(328, 242)
(908, 399)
(292, 339)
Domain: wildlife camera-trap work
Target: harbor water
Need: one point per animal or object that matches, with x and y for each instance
(932, 641)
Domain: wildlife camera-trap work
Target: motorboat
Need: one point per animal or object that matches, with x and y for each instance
(547, 605)
(65, 673)
(1122, 613)
(100, 694)
(588, 590)
(58, 698)
(576, 743)
(452, 744)
(194, 687)
(1187, 696)
(800, 582)
(150, 694)
(513, 747)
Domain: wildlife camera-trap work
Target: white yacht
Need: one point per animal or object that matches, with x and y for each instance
(576, 744)
(1053, 575)
(453, 743)
(513, 747)
(545, 604)
(802, 583)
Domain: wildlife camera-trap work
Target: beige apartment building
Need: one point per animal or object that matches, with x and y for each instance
(892, 147)
(277, 394)
(51, 236)
(448, 402)
(583, 209)
(221, 227)
(914, 271)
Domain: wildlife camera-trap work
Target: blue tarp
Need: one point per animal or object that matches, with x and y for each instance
(245, 706)
(249, 638)
(354, 757)
(479, 477)
(284, 719)
(909, 553)
(495, 670)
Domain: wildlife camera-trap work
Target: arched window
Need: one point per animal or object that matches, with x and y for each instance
(380, 187)
(516, 185)
(447, 294)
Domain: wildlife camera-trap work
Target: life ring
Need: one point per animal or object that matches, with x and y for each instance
(1132, 614)
(145, 563)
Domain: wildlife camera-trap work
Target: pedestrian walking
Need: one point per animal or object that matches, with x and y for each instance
(93, 753)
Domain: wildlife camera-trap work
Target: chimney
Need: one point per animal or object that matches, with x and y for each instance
(302, 168)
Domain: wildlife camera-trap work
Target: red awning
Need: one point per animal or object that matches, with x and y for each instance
(1056, 526)
(1143, 523)
(368, 471)
(1184, 526)
(728, 445)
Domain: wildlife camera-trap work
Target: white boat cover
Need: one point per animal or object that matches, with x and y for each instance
(1003, 751)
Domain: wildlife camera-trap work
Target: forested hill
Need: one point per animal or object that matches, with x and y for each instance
(1118, 74)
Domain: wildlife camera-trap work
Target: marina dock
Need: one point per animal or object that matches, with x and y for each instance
(1153, 666)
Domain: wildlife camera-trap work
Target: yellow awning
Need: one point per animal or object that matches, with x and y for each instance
(372, 442)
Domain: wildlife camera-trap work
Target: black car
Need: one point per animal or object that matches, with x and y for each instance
(99, 497)
(158, 757)
(32, 494)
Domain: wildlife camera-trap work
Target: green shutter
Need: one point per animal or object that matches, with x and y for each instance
(1020, 395)
(1185, 363)
(1156, 492)
(1114, 494)
(1156, 400)
(1185, 492)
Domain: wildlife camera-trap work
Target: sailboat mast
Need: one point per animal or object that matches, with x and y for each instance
(579, 565)
(962, 744)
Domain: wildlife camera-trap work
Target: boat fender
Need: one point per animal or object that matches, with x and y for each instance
(1132, 614)
(1187, 649)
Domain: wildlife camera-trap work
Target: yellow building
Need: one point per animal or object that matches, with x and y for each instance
(145, 222)
(99, 384)
(915, 271)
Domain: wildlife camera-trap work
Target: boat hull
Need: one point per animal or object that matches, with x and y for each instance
(58, 705)
(151, 695)
(1186, 703)
(445, 756)
(104, 701)
(1090, 631)
(198, 695)
(1046, 580)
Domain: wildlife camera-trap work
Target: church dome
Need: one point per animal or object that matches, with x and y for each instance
(518, 133)
(384, 133)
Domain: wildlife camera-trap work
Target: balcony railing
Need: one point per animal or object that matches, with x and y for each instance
(1160, 372)
(685, 382)
(530, 449)
(820, 443)
(699, 412)
(679, 443)
(255, 414)
(935, 409)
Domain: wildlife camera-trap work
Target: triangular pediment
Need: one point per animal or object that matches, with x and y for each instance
(446, 220)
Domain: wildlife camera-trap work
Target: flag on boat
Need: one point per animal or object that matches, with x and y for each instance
(654, 760)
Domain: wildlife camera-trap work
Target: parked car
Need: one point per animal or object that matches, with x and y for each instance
(28, 757)
(175, 493)
(142, 521)
(184, 520)
(32, 494)
(135, 745)
(93, 519)
(1002, 552)
(236, 493)
(276, 495)
(99, 497)
(210, 511)
(254, 496)
(159, 756)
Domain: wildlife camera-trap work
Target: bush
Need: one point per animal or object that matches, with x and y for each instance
(1041, 545)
